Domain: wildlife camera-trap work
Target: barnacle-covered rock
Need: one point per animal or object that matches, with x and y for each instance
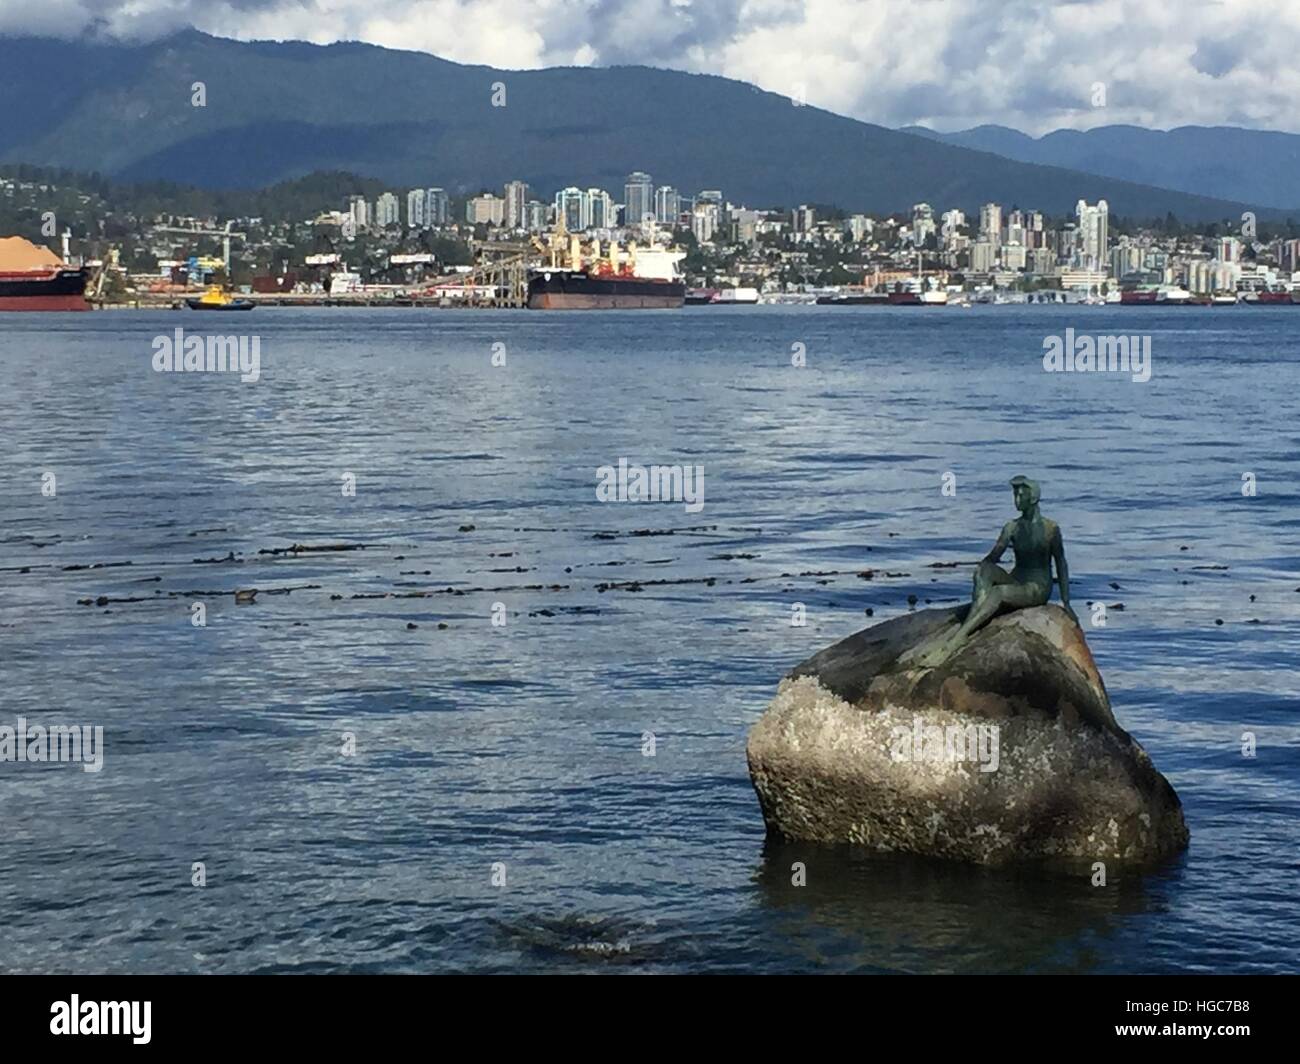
(1007, 752)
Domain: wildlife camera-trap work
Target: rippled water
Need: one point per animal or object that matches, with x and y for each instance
(522, 745)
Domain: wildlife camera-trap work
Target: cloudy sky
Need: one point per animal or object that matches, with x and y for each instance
(1036, 65)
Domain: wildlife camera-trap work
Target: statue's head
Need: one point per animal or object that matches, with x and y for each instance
(1025, 492)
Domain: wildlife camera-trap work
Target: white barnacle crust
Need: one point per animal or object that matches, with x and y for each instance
(971, 779)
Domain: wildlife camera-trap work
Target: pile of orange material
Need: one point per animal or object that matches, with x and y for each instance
(17, 254)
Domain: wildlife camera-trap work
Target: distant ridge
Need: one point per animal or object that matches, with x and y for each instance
(277, 111)
(1258, 166)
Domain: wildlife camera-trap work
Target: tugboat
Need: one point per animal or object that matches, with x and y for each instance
(216, 299)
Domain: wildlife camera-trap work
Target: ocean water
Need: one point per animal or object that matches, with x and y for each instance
(376, 778)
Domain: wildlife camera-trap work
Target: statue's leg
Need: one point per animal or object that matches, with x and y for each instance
(992, 585)
(987, 575)
(982, 610)
(986, 600)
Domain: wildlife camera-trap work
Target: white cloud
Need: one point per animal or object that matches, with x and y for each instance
(951, 64)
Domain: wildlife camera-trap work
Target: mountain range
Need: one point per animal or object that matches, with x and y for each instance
(274, 111)
(1225, 162)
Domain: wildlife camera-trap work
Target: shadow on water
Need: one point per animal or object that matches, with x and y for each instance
(901, 913)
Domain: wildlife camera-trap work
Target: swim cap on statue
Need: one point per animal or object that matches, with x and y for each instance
(1032, 485)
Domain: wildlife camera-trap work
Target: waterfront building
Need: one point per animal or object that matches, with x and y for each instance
(359, 212)
(638, 198)
(1125, 259)
(387, 210)
(573, 205)
(743, 226)
(538, 216)
(1015, 233)
(516, 197)
(983, 255)
(704, 222)
(859, 227)
(1200, 277)
(1040, 261)
(922, 223)
(1013, 256)
(1092, 242)
(953, 222)
(991, 223)
(486, 209)
(1084, 280)
(415, 209)
(600, 209)
(1288, 255)
(667, 205)
(437, 207)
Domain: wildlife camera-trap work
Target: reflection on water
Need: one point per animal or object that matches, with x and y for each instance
(915, 915)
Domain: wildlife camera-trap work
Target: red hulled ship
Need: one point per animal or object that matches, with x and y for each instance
(34, 278)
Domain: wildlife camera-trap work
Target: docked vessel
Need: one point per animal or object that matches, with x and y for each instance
(726, 297)
(852, 297)
(737, 296)
(32, 277)
(216, 299)
(921, 291)
(1137, 297)
(581, 278)
(1174, 296)
(563, 289)
(1270, 298)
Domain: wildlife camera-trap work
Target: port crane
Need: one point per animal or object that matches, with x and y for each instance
(226, 234)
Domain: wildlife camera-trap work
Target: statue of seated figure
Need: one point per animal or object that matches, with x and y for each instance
(1036, 541)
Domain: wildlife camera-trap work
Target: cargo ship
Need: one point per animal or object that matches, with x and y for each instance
(584, 278)
(32, 277)
(583, 290)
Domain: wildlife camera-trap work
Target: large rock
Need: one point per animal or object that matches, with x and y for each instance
(1007, 752)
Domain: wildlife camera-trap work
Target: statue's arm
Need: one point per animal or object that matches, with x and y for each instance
(1000, 547)
(1062, 573)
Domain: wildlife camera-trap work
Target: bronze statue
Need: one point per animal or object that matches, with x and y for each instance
(1037, 543)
